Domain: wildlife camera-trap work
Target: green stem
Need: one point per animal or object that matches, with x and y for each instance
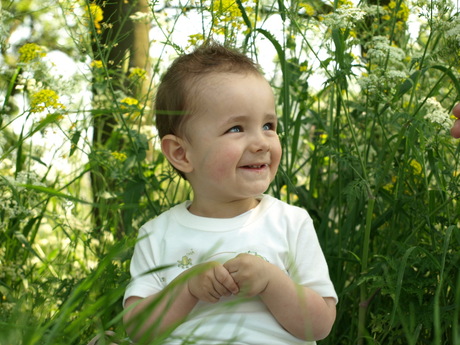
(9, 91)
(364, 302)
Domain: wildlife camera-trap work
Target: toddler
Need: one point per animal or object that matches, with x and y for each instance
(233, 265)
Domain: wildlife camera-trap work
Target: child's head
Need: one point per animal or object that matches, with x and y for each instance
(177, 95)
(217, 122)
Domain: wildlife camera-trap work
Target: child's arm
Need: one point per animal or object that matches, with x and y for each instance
(300, 310)
(159, 312)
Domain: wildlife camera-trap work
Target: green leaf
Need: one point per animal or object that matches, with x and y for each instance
(74, 142)
(244, 14)
(131, 196)
(53, 192)
(276, 45)
(451, 75)
(282, 9)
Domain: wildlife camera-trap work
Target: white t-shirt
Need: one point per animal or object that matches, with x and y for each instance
(280, 233)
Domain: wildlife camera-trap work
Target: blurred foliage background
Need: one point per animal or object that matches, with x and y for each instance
(364, 92)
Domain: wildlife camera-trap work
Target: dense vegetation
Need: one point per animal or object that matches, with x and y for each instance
(364, 95)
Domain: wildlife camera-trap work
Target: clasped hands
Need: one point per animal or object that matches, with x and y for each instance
(245, 274)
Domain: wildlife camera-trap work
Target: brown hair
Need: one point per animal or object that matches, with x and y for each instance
(174, 100)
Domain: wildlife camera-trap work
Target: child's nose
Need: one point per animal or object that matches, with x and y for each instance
(260, 143)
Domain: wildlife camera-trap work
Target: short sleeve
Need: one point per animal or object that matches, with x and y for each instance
(308, 266)
(144, 282)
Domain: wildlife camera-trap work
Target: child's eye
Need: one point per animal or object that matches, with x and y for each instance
(235, 129)
(270, 126)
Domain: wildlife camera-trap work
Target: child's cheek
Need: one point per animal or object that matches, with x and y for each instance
(224, 162)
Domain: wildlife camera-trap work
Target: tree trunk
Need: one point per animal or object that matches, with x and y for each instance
(121, 44)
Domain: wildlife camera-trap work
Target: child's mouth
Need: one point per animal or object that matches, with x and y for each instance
(255, 166)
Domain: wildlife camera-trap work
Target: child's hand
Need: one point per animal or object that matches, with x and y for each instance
(210, 281)
(250, 272)
(455, 131)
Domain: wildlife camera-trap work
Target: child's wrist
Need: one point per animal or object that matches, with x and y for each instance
(273, 273)
(188, 291)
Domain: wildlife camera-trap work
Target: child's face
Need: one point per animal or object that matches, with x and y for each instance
(233, 146)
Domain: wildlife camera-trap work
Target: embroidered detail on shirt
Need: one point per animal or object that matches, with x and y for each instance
(186, 261)
(257, 254)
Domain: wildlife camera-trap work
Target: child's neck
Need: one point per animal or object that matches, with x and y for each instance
(213, 209)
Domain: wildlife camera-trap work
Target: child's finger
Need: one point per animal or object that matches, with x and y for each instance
(223, 277)
(456, 111)
(455, 130)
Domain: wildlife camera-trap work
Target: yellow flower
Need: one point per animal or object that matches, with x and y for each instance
(131, 107)
(227, 15)
(309, 10)
(44, 99)
(323, 138)
(416, 167)
(96, 64)
(97, 15)
(195, 38)
(119, 156)
(129, 102)
(136, 73)
(30, 51)
(229, 8)
(345, 3)
(404, 12)
(400, 26)
(286, 196)
(389, 187)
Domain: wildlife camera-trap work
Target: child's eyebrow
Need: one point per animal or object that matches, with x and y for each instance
(271, 117)
(240, 118)
(237, 118)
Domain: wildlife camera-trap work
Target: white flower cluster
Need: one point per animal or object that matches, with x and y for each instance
(454, 31)
(2, 151)
(141, 17)
(380, 48)
(386, 68)
(27, 82)
(344, 17)
(10, 271)
(4, 26)
(15, 200)
(435, 113)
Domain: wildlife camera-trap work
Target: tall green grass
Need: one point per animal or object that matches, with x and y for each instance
(379, 178)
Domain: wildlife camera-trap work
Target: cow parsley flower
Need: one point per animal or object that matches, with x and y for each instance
(380, 48)
(141, 17)
(436, 113)
(344, 17)
(454, 31)
(386, 69)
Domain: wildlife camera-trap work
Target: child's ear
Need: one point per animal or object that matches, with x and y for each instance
(175, 151)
